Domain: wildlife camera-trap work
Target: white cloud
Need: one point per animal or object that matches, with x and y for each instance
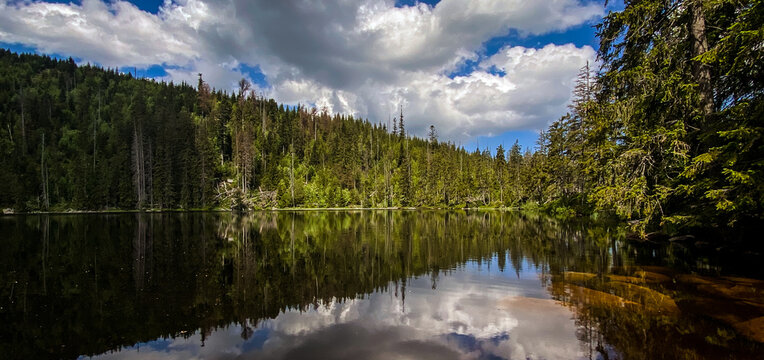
(536, 88)
(360, 57)
(113, 34)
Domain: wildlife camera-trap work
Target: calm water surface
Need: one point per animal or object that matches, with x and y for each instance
(364, 285)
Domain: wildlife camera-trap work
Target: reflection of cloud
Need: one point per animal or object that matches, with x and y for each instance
(221, 344)
(358, 340)
(472, 314)
(545, 330)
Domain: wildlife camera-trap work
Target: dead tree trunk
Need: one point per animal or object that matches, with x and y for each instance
(139, 175)
(291, 175)
(702, 72)
(23, 120)
(44, 175)
(95, 124)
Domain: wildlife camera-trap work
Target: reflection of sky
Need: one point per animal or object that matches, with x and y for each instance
(475, 312)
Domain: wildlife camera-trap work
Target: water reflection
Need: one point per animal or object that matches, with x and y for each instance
(462, 317)
(365, 284)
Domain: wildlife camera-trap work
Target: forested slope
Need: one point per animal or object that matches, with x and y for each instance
(667, 132)
(82, 137)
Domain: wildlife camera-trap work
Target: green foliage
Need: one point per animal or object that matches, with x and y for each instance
(668, 132)
(116, 142)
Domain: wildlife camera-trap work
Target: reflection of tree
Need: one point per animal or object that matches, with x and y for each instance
(198, 272)
(45, 229)
(141, 250)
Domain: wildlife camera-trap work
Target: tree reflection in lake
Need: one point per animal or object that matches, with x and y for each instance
(361, 284)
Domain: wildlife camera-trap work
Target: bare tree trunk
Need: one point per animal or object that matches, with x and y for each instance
(701, 71)
(23, 122)
(95, 123)
(244, 172)
(139, 177)
(461, 176)
(388, 188)
(204, 172)
(265, 160)
(44, 175)
(262, 118)
(291, 175)
(262, 112)
(151, 176)
(429, 172)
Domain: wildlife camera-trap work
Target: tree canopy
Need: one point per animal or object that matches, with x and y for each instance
(666, 132)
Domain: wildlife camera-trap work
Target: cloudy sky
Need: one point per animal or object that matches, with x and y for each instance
(482, 71)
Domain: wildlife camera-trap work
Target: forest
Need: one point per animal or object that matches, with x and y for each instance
(665, 131)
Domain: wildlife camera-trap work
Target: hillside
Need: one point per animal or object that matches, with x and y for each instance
(82, 137)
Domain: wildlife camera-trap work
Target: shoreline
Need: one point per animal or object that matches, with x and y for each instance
(158, 211)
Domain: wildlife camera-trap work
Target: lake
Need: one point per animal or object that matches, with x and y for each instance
(366, 285)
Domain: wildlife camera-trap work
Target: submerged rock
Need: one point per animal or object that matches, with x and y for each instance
(652, 300)
(528, 304)
(577, 276)
(745, 281)
(641, 277)
(693, 279)
(736, 288)
(682, 238)
(753, 329)
(581, 295)
(734, 291)
(736, 301)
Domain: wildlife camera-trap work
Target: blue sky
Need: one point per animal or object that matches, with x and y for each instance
(580, 35)
(151, 6)
(484, 73)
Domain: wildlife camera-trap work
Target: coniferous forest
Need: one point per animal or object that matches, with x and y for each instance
(665, 131)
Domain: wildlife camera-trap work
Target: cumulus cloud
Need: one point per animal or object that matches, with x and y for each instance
(531, 87)
(112, 34)
(358, 57)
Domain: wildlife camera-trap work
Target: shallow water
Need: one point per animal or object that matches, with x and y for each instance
(366, 285)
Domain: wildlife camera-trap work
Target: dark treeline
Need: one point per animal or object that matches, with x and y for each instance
(82, 137)
(667, 132)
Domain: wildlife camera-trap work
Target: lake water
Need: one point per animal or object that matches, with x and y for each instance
(365, 285)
